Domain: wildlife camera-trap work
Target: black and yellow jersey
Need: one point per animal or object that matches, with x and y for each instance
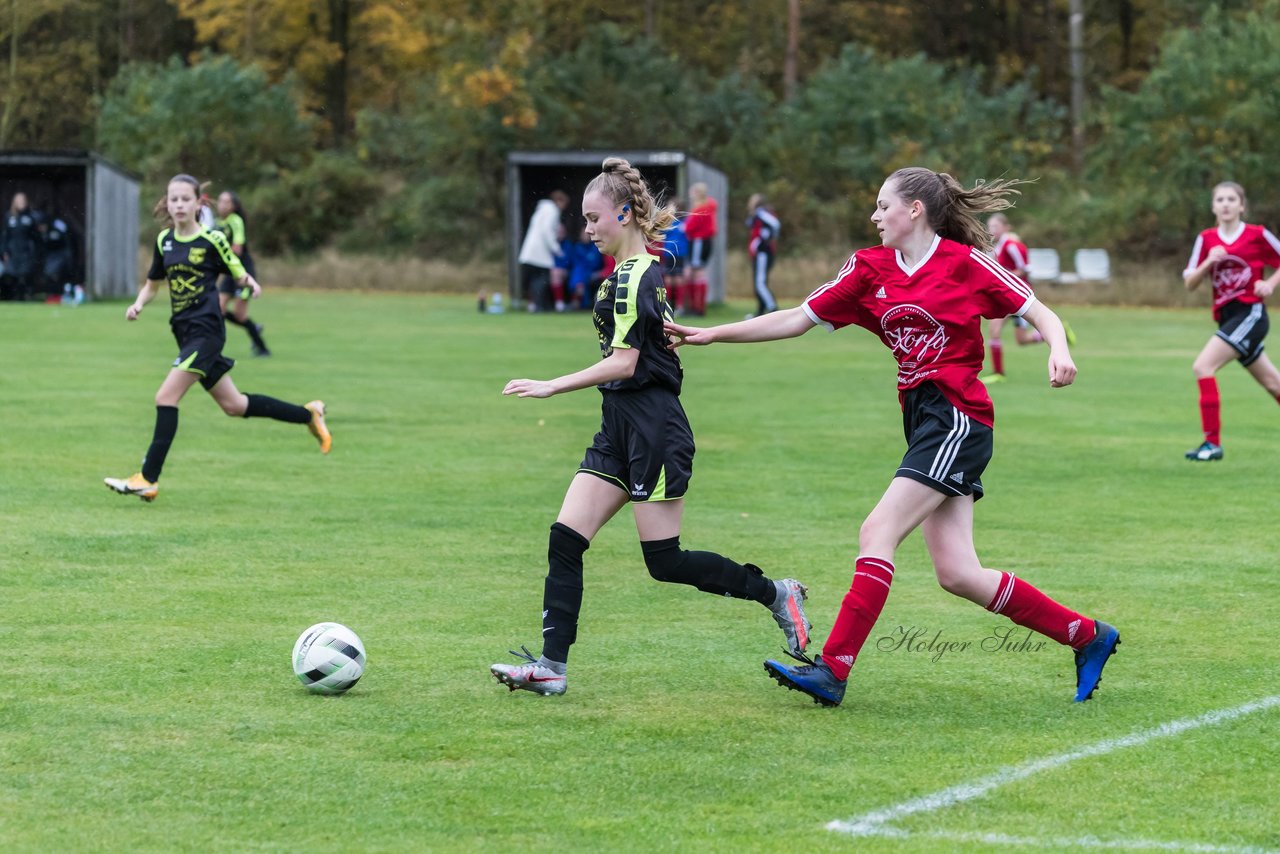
(233, 227)
(192, 265)
(629, 310)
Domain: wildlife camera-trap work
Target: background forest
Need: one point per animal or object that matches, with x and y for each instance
(380, 124)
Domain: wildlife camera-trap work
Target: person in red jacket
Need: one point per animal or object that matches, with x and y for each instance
(700, 226)
(1232, 256)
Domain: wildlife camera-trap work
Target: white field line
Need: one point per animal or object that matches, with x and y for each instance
(1042, 843)
(876, 823)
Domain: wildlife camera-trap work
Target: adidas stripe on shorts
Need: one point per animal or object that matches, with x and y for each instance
(1243, 326)
(946, 449)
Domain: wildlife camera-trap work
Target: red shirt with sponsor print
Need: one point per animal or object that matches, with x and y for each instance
(701, 222)
(1011, 254)
(1250, 249)
(929, 316)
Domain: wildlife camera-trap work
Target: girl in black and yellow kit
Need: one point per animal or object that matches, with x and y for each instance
(643, 453)
(188, 259)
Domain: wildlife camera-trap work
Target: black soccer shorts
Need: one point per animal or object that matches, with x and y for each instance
(200, 350)
(645, 445)
(946, 449)
(1243, 326)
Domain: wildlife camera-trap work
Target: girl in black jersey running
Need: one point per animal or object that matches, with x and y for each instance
(643, 453)
(231, 223)
(188, 259)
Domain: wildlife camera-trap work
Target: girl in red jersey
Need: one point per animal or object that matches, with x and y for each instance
(1011, 253)
(1233, 256)
(701, 228)
(923, 293)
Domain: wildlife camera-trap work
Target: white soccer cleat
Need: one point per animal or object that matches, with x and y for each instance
(529, 676)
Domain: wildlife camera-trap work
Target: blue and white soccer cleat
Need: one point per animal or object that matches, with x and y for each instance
(814, 679)
(1093, 657)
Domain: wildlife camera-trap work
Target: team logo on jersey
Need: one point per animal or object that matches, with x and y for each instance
(183, 284)
(1231, 277)
(195, 254)
(916, 339)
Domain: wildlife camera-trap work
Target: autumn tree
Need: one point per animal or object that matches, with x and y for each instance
(341, 52)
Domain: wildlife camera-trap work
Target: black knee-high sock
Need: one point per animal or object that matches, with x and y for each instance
(231, 318)
(255, 333)
(707, 571)
(166, 429)
(261, 406)
(562, 593)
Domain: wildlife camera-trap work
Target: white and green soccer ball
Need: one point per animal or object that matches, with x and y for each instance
(328, 658)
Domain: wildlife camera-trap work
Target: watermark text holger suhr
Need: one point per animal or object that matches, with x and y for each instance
(933, 644)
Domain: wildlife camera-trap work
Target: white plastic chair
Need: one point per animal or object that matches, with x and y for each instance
(1093, 265)
(1043, 265)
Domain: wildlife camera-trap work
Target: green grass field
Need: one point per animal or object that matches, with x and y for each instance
(149, 704)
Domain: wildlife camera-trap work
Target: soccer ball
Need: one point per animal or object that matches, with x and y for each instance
(328, 658)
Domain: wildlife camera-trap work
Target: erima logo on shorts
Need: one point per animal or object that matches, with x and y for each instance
(638, 490)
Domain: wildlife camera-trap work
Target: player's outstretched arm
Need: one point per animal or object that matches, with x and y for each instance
(1062, 370)
(146, 294)
(618, 365)
(789, 323)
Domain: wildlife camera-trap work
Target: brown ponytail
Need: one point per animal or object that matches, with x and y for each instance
(952, 210)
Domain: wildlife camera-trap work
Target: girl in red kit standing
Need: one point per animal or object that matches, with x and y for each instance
(700, 227)
(1232, 255)
(924, 293)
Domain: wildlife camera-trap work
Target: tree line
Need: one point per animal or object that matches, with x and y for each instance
(386, 122)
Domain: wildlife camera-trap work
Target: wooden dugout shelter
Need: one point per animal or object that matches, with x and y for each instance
(532, 175)
(97, 198)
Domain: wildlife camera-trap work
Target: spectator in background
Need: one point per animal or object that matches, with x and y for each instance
(701, 228)
(560, 267)
(19, 249)
(538, 252)
(761, 249)
(59, 258)
(675, 255)
(585, 271)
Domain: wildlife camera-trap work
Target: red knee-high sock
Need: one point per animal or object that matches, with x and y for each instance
(557, 292)
(677, 292)
(700, 296)
(1209, 409)
(997, 355)
(1028, 607)
(858, 613)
